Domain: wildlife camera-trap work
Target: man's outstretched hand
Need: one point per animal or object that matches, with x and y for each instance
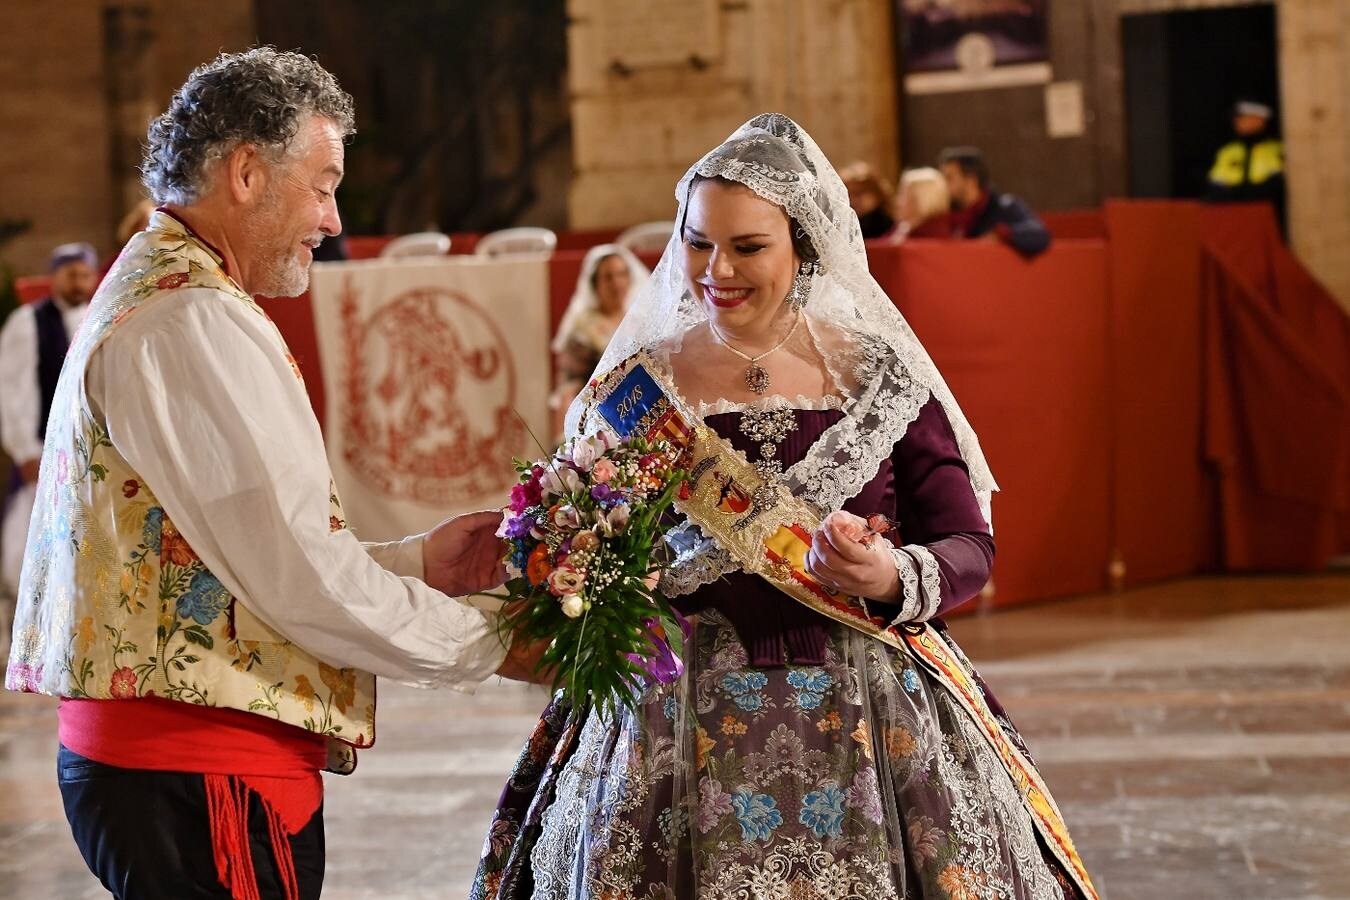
(463, 555)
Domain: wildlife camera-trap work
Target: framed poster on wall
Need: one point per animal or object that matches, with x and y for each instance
(963, 45)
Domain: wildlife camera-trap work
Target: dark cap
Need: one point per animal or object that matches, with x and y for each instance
(76, 251)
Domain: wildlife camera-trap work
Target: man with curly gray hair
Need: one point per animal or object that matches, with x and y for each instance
(190, 588)
(253, 145)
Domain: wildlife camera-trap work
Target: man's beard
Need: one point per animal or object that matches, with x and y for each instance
(279, 272)
(75, 298)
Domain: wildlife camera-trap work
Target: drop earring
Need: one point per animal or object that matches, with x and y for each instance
(800, 291)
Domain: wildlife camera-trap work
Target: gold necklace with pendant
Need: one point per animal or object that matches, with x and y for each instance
(756, 378)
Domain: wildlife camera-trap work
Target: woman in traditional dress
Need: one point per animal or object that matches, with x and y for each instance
(610, 277)
(804, 752)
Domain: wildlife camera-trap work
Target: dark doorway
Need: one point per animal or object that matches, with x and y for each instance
(1183, 72)
(462, 113)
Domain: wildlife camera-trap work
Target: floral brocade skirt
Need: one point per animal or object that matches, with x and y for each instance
(860, 778)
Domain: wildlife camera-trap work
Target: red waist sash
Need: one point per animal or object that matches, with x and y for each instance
(236, 752)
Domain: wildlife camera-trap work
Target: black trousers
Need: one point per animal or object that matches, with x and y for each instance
(147, 835)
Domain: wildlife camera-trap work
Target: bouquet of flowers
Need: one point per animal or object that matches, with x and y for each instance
(584, 530)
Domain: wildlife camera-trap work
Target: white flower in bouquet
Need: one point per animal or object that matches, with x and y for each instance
(612, 522)
(560, 480)
(572, 605)
(567, 518)
(586, 450)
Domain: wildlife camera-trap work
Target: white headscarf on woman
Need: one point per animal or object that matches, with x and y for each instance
(872, 359)
(585, 298)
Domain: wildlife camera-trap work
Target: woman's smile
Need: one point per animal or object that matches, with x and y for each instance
(726, 297)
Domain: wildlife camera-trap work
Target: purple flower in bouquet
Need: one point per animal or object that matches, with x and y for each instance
(662, 664)
(515, 527)
(602, 493)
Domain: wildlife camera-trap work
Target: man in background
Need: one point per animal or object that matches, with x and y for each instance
(33, 345)
(979, 211)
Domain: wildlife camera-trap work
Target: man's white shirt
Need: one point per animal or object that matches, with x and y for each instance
(198, 396)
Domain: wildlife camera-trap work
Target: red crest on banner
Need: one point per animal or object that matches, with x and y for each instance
(429, 397)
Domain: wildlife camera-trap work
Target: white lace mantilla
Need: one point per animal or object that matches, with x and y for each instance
(876, 362)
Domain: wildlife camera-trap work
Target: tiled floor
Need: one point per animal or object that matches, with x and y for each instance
(1196, 735)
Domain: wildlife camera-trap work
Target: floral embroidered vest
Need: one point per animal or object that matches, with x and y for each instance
(113, 601)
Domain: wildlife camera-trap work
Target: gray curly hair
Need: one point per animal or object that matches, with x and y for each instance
(260, 97)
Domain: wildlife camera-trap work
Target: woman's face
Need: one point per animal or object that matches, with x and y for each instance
(908, 206)
(612, 283)
(862, 196)
(738, 256)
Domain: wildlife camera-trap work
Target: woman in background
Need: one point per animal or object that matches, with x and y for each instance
(610, 277)
(924, 205)
(870, 197)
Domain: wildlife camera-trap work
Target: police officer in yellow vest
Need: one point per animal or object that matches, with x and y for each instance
(1250, 168)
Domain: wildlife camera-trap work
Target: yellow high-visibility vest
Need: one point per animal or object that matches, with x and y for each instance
(1231, 167)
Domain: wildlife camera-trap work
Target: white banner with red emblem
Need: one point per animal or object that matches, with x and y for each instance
(429, 369)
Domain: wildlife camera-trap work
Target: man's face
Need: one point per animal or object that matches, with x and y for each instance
(1246, 126)
(74, 283)
(965, 189)
(295, 211)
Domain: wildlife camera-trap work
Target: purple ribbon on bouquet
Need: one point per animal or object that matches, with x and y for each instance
(662, 666)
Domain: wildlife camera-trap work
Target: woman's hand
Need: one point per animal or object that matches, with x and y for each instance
(839, 559)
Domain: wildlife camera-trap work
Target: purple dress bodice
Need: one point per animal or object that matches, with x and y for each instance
(923, 485)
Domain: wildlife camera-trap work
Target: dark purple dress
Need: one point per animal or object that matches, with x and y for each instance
(797, 757)
(931, 499)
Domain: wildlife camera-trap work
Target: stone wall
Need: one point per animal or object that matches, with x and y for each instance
(54, 156)
(79, 81)
(77, 88)
(1315, 86)
(639, 121)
